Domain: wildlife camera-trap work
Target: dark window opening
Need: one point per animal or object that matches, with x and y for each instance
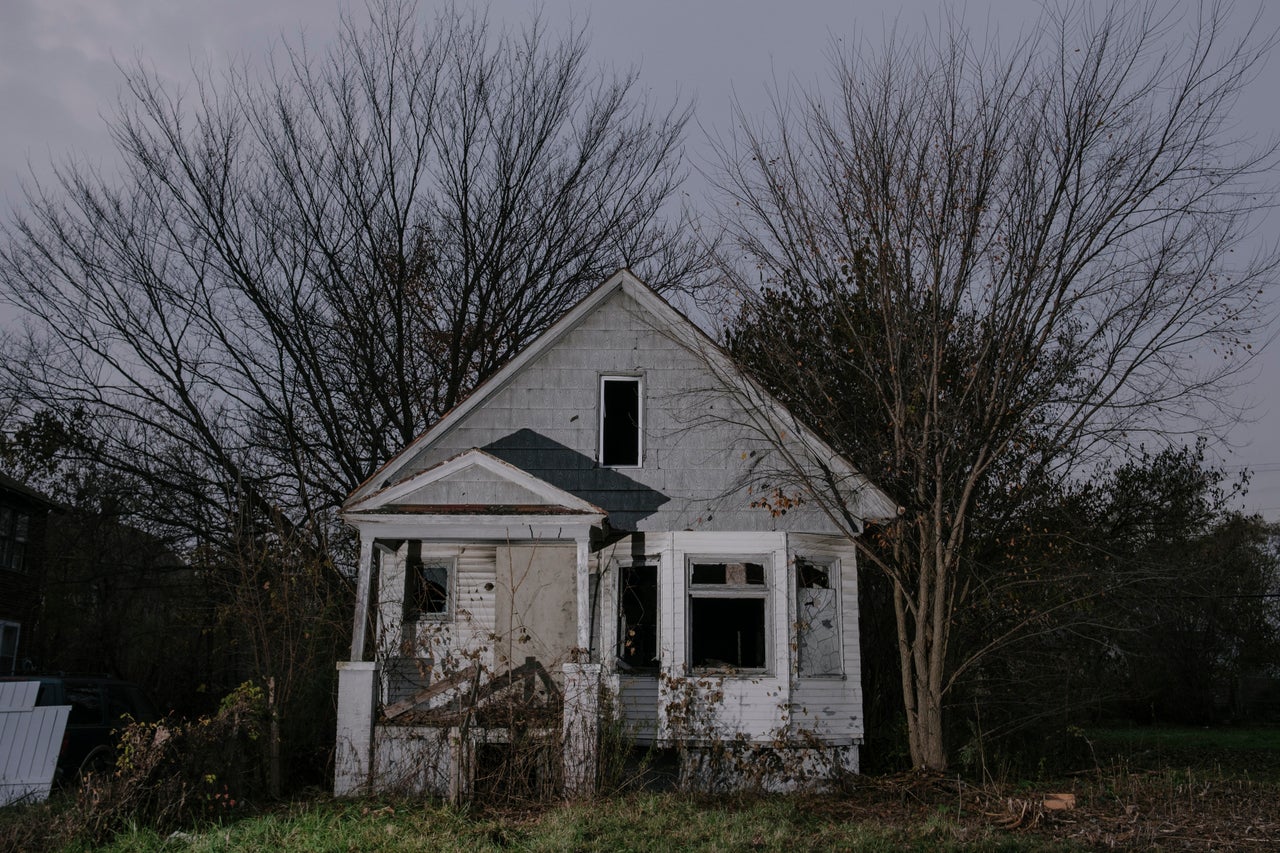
(14, 529)
(427, 583)
(727, 574)
(727, 621)
(9, 632)
(638, 617)
(620, 422)
(727, 632)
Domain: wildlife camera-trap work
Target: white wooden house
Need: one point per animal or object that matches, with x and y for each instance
(604, 518)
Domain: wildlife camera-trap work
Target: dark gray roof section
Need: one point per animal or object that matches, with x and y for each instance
(9, 484)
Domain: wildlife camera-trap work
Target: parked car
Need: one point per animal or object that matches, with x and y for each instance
(99, 706)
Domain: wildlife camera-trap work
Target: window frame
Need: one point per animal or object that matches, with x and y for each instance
(425, 559)
(832, 566)
(637, 380)
(762, 592)
(621, 569)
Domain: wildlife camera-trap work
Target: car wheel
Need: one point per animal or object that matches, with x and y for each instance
(100, 761)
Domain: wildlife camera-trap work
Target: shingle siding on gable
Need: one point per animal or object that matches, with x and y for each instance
(472, 487)
(546, 421)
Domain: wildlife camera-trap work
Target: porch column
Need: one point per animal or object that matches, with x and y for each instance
(363, 582)
(581, 732)
(584, 602)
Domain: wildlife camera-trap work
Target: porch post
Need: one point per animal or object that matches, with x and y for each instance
(584, 596)
(363, 581)
(581, 725)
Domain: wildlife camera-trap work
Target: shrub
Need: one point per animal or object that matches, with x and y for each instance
(173, 773)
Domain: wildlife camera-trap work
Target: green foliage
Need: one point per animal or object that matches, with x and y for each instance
(171, 773)
(1154, 598)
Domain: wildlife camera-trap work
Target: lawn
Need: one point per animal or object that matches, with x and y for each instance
(642, 822)
(1151, 789)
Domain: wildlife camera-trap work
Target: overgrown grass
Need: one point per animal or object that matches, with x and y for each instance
(1151, 788)
(642, 822)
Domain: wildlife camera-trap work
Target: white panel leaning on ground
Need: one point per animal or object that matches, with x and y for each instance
(30, 738)
(592, 535)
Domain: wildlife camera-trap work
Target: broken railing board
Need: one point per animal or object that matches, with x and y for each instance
(441, 687)
(30, 739)
(527, 674)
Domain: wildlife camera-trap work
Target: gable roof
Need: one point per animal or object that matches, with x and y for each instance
(666, 318)
(523, 492)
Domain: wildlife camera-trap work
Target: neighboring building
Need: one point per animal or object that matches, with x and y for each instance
(618, 516)
(23, 516)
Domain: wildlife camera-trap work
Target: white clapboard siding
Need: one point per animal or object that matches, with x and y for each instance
(30, 739)
(467, 637)
(477, 573)
(638, 705)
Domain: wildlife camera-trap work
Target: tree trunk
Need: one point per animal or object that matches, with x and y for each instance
(273, 745)
(923, 632)
(923, 700)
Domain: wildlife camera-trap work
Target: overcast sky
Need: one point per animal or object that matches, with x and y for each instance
(58, 79)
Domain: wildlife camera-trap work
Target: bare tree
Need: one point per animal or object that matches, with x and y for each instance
(971, 267)
(295, 273)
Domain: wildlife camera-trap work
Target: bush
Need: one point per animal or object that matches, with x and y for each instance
(175, 773)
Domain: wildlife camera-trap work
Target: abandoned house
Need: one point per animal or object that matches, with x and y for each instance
(614, 531)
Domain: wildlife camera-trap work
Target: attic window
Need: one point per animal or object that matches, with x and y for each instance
(620, 421)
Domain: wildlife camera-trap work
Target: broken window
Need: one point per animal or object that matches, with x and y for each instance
(620, 421)
(426, 585)
(638, 616)
(817, 623)
(728, 615)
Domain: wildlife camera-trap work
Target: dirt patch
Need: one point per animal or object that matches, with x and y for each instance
(1157, 810)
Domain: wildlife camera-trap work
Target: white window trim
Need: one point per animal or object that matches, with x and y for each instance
(835, 578)
(638, 379)
(763, 592)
